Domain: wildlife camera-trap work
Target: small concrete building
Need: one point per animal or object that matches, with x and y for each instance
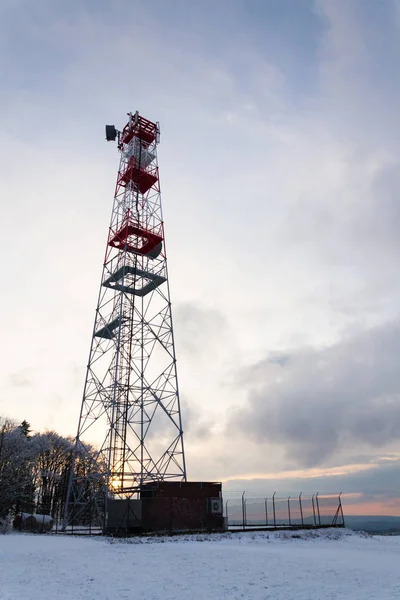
(168, 507)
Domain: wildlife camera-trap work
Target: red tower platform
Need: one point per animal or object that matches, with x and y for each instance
(134, 238)
(141, 128)
(144, 179)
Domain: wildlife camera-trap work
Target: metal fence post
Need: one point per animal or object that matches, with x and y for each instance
(341, 508)
(266, 511)
(288, 506)
(226, 513)
(313, 508)
(244, 510)
(301, 510)
(273, 506)
(319, 516)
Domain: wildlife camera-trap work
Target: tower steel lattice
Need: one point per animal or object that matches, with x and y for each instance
(130, 409)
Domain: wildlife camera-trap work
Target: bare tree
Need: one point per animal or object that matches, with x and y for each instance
(51, 471)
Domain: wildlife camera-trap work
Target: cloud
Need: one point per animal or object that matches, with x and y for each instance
(19, 379)
(353, 230)
(201, 330)
(318, 403)
(197, 426)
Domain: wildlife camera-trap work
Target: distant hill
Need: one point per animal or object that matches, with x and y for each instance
(373, 524)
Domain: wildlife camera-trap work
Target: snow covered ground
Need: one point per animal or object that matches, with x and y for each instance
(257, 566)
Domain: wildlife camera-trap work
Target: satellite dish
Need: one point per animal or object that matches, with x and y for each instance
(111, 133)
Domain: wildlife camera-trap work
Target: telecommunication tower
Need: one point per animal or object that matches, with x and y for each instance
(130, 408)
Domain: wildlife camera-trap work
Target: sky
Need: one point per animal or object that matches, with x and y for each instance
(280, 174)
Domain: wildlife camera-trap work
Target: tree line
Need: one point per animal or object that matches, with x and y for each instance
(35, 470)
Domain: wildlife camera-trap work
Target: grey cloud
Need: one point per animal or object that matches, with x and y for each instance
(199, 329)
(370, 228)
(357, 226)
(325, 401)
(195, 425)
(279, 358)
(354, 53)
(19, 379)
(382, 222)
(349, 225)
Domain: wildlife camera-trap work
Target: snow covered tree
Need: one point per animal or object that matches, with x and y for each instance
(35, 470)
(17, 458)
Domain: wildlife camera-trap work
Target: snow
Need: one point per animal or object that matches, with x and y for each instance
(315, 565)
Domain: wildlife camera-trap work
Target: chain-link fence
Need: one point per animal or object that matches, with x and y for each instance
(296, 511)
(237, 512)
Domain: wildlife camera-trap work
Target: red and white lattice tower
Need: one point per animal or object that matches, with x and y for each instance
(130, 408)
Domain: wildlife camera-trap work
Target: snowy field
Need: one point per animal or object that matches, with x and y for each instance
(313, 566)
